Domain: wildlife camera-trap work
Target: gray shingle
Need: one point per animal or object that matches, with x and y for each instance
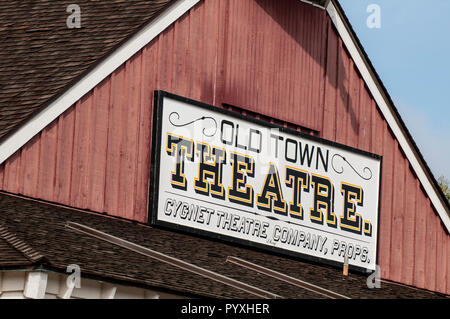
(40, 55)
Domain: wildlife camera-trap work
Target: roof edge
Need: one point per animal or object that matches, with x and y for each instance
(389, 111)
(75, 90)
(322, 4)
(21, 246)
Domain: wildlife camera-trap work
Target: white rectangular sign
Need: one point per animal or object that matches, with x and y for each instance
(221, 174)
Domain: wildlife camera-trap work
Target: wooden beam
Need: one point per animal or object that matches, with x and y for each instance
(108, 291)
(35, 284)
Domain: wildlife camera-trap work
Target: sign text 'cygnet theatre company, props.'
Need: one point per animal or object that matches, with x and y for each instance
(220, 174)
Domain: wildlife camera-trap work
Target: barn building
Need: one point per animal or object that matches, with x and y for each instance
(207, 148)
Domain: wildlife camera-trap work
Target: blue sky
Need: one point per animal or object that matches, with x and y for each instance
(411, 53)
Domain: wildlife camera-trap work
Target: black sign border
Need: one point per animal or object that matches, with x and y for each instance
(153, 190)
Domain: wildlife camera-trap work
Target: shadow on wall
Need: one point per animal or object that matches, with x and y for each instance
(338, 75)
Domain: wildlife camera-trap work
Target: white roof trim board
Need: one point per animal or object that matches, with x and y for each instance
(314, 4)
(43, 118)
(47, 115)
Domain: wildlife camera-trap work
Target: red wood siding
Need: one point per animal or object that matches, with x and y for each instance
(283, 60)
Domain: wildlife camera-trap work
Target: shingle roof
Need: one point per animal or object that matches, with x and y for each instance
(40, 55)
(43, 227)
(9, 256)
(10, 242)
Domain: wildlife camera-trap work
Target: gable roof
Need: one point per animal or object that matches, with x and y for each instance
(26, 112)
(40, 56)
(44, 229)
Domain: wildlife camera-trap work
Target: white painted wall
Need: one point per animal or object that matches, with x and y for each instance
(25, 284)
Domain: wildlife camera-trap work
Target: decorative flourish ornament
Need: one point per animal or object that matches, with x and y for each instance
(193, 121)
(365, 169)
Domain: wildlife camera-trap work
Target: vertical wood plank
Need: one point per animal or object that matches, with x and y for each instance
(98, 145)
(377, 133)
(329, 119)
(385, 220)
(196, 53)
(11, 179)
(180, 51)
(128, 151)
(148, 83)
(420, 238)
(115, 131)
(409, 226)
(448, 264)
(441, 257)
(47, 162)
(294, 103)
(222, 52)
(82, 140)
(314, 84)
(353, 107)
(2, 174)
(431, 250)
(321, 71)
(30, 166)
(342, 96)
(364, 119)
(64, 158)
(210, 40)
(165, 58)
(306, 109)
(398, 200)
